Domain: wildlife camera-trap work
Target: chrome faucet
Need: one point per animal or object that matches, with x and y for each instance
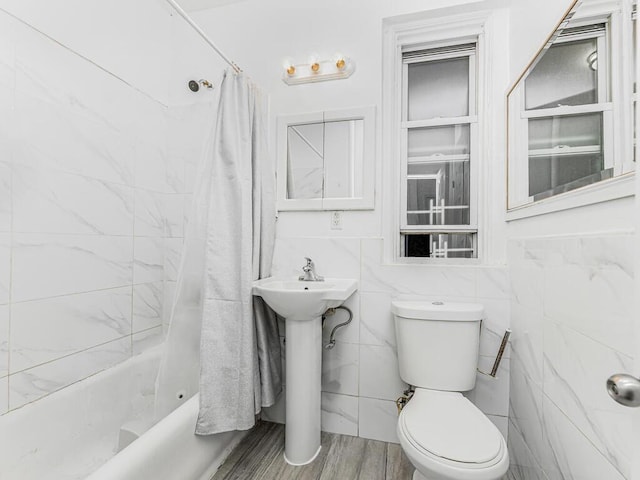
(310, 274)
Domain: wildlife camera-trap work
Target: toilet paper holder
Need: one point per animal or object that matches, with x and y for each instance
(496, 363)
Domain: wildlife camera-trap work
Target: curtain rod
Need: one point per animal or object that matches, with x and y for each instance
(200, 32)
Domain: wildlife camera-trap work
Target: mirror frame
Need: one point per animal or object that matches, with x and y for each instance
(366, 201)
(548, 42)
(620, 185)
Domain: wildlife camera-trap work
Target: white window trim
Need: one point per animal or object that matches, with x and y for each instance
(620, 186)
(400, 37)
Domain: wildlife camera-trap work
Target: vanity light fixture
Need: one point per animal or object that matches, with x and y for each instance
(338, 67)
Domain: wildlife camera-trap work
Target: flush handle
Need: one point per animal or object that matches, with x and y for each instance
(624, 389)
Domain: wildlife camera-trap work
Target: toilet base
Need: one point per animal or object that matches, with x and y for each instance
(418, 476)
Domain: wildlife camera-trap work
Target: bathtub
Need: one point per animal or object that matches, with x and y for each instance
(170, 450)
(74, 433)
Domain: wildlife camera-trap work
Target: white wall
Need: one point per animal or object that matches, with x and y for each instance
(92, 192)
(360, 375)
(530, 24)
(572, 316)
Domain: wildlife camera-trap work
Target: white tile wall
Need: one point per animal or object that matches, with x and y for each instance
(46, 265)
(92, 211)
(572, 328)
(379, 376)
(48, 329)
(5, 185)
(339, 414)
(5, 267)
(4, 342)
(148, 264)
(48, 201)
(147, 305)
(378, 419)
(30, 385)
(4, 395)
(362, 369)
(146, 339)
(340, 369)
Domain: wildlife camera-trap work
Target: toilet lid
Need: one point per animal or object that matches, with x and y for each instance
(449, 426)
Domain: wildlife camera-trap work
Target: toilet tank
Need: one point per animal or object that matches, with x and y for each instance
(438, 343)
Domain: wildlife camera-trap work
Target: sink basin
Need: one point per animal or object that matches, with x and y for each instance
(299, 300)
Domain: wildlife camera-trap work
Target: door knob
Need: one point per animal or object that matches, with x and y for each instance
(624, 389)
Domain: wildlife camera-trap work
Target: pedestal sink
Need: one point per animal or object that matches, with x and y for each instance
(302, 305)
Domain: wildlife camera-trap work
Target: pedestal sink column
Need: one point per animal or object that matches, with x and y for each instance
(302, 303)
(304, 370)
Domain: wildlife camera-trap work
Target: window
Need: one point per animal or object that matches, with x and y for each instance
(439, 148)
(571, 115)
(568, 114)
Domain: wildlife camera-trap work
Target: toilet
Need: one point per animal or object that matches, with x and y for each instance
(442, 433)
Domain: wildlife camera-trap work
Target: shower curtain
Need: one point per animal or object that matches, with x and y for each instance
(222, 341)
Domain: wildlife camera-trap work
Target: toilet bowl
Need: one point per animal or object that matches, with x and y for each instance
(447, 438)
(442, 433)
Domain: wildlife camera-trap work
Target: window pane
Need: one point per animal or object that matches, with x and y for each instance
(440, 245)
(450, 140)
(438, 88)
(305, 176)
(565, 75)
(564, 150)
(438, 194)
(566, 131)
(570, 171)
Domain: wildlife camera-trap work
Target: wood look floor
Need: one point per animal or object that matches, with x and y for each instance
(259, 457)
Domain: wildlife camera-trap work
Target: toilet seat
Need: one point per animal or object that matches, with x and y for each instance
(447, 437)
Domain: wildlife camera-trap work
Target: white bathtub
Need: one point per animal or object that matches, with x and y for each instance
(74, 432)
(170, 450)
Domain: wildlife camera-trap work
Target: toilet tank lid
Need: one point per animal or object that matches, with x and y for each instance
(449, 311)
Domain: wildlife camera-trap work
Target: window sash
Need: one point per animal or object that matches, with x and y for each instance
(473, 138)
(405, 126)
(604, 105)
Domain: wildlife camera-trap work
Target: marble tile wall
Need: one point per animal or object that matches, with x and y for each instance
(360, 380)
(571, 304)
(93, 191)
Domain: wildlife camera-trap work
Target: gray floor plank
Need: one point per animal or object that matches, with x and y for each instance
(260, 457)
(398, 466)
(244, 448)
(374, 461)
(281, 470)
(344, 458)
(254, 454)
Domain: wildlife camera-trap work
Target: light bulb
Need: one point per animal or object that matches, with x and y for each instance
(289, 67)
(314, 64)
(340, 60)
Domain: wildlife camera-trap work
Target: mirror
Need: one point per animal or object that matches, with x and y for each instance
(326, 160)
(570, 115)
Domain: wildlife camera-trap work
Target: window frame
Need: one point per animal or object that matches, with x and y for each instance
(402, 36)
(471, 119)
(603, 105)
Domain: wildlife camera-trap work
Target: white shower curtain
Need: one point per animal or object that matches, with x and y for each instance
(223, 342)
